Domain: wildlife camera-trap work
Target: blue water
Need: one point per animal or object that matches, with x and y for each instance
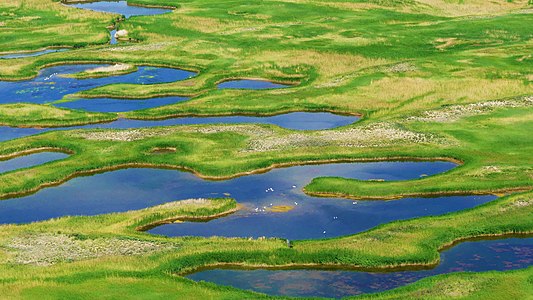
(31, 54)
(297, 121)
(312, 217)
(250, 84)
(139, 188)
(121, 7)
(112, 38)
(479, 256)
(10, 133)
(49, 86)
(30, 160)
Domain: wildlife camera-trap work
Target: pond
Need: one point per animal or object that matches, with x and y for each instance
(30, 160)
(478, 256)
(121, 8)
(260, 194)
(50, 85)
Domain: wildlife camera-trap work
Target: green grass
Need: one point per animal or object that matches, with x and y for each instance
(389, 60)
(339, 68)
(33, 25)
(488, 285)
(490, 156)
(35, 115)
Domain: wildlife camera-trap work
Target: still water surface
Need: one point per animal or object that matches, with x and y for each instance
(479, 256)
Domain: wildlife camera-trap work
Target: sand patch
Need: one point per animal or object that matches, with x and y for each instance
(456, 112)
(280, 208)
(110, 69)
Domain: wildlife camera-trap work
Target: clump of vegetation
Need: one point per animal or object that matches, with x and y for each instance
(35, 115)
(49, 249)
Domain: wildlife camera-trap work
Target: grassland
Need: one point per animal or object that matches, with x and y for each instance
(35, 115)
(434, 79)
(397, 61)
(218, 152)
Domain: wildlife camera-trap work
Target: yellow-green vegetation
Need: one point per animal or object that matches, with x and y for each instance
(489, 285)
(434, 79)
(280, 208)
(27, 25)
(384, 58)
(35, 115)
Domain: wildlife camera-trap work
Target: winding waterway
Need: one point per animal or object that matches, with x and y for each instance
(478, 256)
(32, 54)
(310, 217)
(298, 216)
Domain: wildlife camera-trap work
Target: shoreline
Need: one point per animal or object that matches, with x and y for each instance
(144, 228)
(419, 195)
(135, 165)
(6, 157)
(67, 2)
(358, 268)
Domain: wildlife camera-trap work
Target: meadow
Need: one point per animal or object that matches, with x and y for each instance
(431, 79)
